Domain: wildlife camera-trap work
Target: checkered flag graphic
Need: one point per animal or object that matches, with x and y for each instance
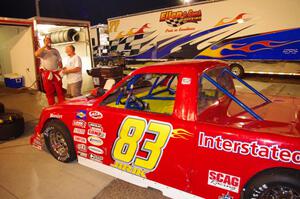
(175, 22)
(124, 44)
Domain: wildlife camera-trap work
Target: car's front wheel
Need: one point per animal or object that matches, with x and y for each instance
(281, 184)
(59, 141)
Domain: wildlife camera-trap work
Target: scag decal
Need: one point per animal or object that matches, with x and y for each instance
(79, 139)
(254, 149)
(223, 181)
(95, 115)
(95, 150)
(81, 115)
(79, 123)
(95, 140)
(131, 133)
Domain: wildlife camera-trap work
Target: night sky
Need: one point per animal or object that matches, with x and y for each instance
(95, 11)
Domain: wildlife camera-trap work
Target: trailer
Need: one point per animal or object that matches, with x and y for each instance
(99, 39)
(20, 38)
(254, 36)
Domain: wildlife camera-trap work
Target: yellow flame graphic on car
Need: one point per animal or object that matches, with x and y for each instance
(181, 134)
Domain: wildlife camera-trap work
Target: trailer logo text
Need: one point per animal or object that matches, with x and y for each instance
(178, 18)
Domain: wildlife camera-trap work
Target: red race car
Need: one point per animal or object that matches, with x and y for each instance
(181, 127)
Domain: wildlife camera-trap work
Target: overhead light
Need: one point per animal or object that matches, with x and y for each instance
(186, 1)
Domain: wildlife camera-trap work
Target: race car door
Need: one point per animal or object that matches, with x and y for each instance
(141, 137)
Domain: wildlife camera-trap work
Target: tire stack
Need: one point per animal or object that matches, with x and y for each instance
(64, 36)
(11, 124)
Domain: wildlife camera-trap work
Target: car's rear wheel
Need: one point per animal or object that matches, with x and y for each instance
(59, 141)
(280, 184)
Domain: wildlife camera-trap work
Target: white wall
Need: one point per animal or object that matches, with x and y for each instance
(16, 52)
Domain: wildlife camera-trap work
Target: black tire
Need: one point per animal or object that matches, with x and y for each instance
(237, 69)
(11, 126)
(2, 108)
(277, 184)
(59, 141)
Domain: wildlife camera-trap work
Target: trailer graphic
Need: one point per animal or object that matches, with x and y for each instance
(250, 34)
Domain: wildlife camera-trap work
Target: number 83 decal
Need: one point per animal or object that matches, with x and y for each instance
(130, 135)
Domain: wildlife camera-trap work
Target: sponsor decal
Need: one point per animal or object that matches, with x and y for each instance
(81, 114)
(223, 181)
(186, 81)
(225, 196)
(95, 125)
(54, 115)
(290, 51)
(79, 131)
(82, 154)
(178, 18)
(95, 150)
(81, 147)
(97, 132)
(113, 26)
(129, 169)
(79, 139)
(79, 123)
(95, 115)
(94, 140)
(96, 158)
(254, 149)
(48, 130)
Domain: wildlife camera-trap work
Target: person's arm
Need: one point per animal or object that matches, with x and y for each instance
(72, 70)
(59, 59)
(60, 65)
(39, 51)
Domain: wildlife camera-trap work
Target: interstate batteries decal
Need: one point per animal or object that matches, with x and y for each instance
(254, 149)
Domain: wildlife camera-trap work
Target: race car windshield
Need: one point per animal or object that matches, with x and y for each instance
(146, 92)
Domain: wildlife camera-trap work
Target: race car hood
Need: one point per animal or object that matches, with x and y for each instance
(280, 116)
(78, 101)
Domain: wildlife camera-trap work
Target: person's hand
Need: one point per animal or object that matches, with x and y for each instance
(65, 70)
(47, 43)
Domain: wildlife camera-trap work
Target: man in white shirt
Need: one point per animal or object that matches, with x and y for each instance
(73, 72)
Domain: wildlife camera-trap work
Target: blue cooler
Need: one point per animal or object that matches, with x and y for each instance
(14, 80)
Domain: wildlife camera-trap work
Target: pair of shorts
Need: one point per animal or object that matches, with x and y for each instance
(74, 89)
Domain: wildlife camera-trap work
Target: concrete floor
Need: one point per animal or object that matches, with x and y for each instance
(27, 173)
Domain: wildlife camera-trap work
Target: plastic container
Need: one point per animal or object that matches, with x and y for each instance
(14, 80)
